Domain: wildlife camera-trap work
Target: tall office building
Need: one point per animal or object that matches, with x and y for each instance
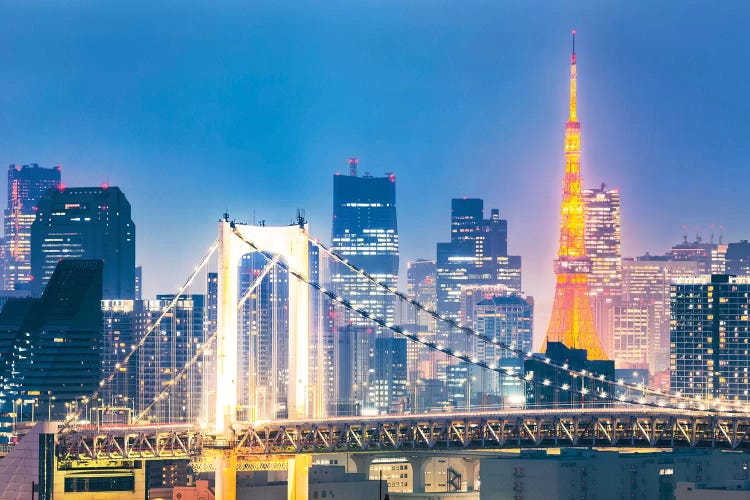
(85, 223)
(476, 255)
(602, 210)
(738, 258)
(52, 345)
(645, 292)
(365, 232)
(26, 185)
(388, 388)
(709, 337)
(572, 319)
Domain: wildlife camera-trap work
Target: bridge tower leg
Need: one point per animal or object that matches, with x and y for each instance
(226, 476)
(363, 462)
(298, 479)
(472, 470)
(418, 469)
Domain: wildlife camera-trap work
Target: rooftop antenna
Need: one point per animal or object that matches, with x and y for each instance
(353, 162)
(301, 217)
(225, 215)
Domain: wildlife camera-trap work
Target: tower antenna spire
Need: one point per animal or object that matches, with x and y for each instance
(574, 42)
(573, 116)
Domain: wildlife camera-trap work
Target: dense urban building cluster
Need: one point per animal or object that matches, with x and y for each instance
(74, 322)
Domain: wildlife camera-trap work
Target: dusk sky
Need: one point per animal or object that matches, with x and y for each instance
(193, 108)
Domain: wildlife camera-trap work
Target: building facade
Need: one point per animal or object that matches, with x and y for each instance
(738, 258)
(51, 346)
(709, 336)
(603, 247)
(165, 352)
(365, 232)
(645, 293)
(85, 223)
(26, 185)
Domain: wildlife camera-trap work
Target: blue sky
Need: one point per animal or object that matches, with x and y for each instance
(193, 108)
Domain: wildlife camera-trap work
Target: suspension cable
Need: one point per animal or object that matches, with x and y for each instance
(174, 380)
(527, 378)
(643, 389)
(133, 348)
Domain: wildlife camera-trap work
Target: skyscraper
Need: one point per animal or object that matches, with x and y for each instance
(476, 255)
(508, 319)
(365, 232)
(54, 342)
(165, 352)
(602, 209)
(85, 223)
(709, 337)
(572, 321)
(26, 185)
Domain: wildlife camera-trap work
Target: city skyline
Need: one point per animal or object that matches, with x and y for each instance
(628, 132)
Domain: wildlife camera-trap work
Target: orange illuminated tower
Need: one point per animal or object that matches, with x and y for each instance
(572, 321)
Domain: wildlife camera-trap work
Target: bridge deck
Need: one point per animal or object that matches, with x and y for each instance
(447, 432)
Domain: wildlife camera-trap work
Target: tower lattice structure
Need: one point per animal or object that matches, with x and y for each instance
(572, 321)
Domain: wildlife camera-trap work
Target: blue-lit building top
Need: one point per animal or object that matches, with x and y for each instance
(365, 232)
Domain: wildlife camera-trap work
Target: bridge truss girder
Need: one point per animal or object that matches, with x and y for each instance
(546, 429)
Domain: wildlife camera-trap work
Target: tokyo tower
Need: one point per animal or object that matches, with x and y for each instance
(572, 321)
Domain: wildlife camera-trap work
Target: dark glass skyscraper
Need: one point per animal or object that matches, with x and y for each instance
(85, 223)
(476, 255)
(51, 345)
(26, 185)
(365, 232)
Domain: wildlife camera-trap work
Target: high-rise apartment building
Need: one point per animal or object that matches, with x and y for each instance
(85, 223)
(26, 185)
(123, 324)
(602, 210)
(645, 293)
(738, 258)
(365, 232)
(165, 352)
(709, 336)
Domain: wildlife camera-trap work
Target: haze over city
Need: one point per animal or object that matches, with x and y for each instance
(193, 109)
